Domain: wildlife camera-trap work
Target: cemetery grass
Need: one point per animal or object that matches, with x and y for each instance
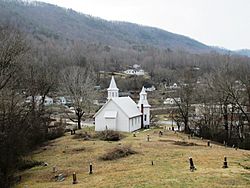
(170, 169)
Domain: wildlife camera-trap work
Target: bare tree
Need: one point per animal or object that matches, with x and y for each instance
(79, 84)
(12, 49)
(186, 94)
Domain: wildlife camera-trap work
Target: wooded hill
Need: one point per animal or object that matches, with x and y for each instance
(50, 21)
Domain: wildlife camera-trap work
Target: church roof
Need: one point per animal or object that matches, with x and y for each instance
(126, 104)
(112, 85)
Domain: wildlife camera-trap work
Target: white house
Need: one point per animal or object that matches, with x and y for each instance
(130, 71)
(61, 100)
(120, 113)
(174, 86)
(38, 99)
(139, 72)
(152, 88)
(136, 66)
(172, 101)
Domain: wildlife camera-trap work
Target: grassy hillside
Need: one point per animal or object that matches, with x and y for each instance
(41, 19)
(170, 154)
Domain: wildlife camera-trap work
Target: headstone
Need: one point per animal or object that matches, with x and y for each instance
(148, 137)
(225, 163)
(192, 167)
(54, 169)
(160, 133)
(90, 168)
(74, 178)
(60, 177)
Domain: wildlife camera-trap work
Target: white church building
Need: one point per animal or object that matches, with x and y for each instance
(122, 113)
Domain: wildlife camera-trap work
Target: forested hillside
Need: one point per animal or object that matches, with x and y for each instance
(50, 21)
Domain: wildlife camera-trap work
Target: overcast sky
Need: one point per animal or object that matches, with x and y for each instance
(224, 23)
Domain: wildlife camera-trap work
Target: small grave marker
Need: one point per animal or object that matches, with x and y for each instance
(225, 162)
(74, 178)
(60, 177)
(90, 168)
(54, 169)
(192, 167)
(152, 162)
(148, 138)
(160, 133)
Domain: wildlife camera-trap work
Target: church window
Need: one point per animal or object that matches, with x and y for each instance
(145, 117)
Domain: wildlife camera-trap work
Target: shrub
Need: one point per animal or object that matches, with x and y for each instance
(84, 136)
(109, 135)
(118, 152)
(55, 132)
(24, 164)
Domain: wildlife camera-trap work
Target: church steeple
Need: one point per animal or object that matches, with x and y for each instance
(144, 108)
(143, 98)
(113, 91)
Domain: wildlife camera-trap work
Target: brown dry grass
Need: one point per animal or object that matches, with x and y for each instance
(170, 169)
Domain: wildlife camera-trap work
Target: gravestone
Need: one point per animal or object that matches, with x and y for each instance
(60, 177)
(192, 167)
(225, 163)
(74, 178)
(90, 168)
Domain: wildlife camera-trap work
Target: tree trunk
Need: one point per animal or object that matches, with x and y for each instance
(79, 122)
(186, 128)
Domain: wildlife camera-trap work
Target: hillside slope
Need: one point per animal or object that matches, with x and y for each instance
(65, 24)
(169, 153)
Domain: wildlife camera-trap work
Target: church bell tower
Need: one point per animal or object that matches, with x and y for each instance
(113, 91)
(144, 107)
